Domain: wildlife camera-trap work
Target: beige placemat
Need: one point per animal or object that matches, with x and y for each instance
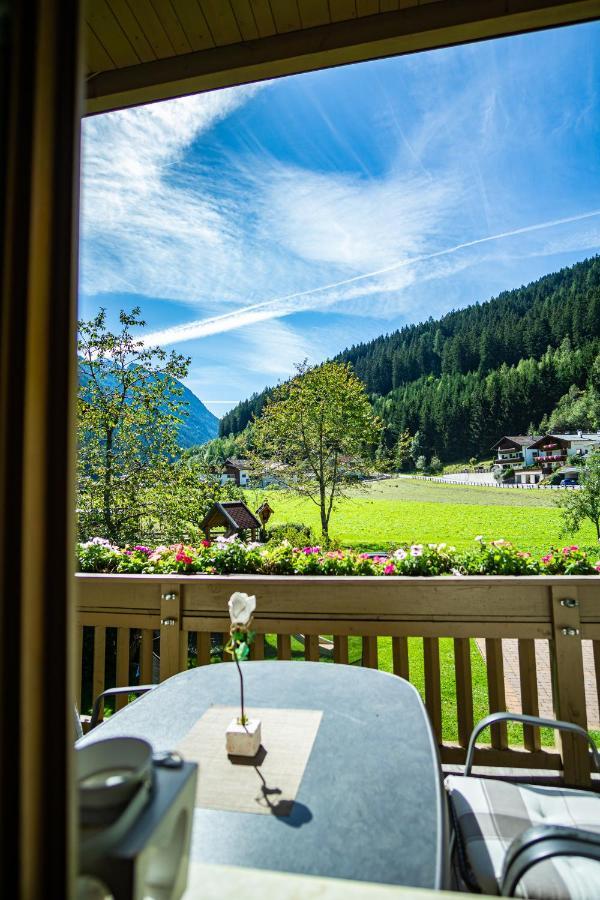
(269, 782)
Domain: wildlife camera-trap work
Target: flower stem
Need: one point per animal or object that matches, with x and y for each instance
(242, 717)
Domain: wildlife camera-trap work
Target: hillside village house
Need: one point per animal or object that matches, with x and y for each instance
(54, 73)
(516, 450)
(544, 452)
(555, 448)
(237, 470)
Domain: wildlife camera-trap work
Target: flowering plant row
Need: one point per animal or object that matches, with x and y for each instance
(225, 556)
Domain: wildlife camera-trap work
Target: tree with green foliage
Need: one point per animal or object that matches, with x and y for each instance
(435, 465)
(320, 429)
(583, 503)
(402, 451)
(129, 412)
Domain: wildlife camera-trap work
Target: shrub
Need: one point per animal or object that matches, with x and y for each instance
(297, 534)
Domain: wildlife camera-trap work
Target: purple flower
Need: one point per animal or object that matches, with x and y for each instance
(141, 549)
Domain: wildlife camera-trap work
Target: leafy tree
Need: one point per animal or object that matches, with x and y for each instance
(402, 451)
(421, 464)
(435, 464)
(320, 428)
(129, 412)
(582, 504)
(417, 447)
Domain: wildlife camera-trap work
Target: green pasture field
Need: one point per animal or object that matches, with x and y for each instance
(398, 510)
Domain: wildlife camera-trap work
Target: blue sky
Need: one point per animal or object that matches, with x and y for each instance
(260, 225)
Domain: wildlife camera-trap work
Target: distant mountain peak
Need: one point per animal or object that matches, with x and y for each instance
(198, 427)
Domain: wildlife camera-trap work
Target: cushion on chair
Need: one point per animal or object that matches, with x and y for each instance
(491, 813)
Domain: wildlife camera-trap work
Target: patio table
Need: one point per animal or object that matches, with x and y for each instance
(370, 803)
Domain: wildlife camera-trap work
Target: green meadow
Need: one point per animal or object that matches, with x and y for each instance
(398, 510)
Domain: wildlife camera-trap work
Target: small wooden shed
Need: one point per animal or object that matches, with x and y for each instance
(229, 518)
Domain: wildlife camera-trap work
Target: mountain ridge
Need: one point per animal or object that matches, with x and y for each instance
(501, 363)
(199, 426)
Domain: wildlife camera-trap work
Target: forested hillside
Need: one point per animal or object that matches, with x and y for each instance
(463, 380)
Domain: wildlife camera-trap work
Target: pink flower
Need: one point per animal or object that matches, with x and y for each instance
(205, 543)
(183, 557)
(389, 569)
(547, 558)
(597, 566)
(574, 548)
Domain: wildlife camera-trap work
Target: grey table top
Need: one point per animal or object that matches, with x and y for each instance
(370, 806)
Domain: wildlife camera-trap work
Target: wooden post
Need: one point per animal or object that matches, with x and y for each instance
(284, 646)
(529, 691)
(567, 674)
(369, 652)
(171, 651)
(464, 689)
(496, 693)
(122, 665)
(258, 647)
(311, 647)
(203, 648)
(400, 657)
(146, 656)
(340, 649)
(433, 691)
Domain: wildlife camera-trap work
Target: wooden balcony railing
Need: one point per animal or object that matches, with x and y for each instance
(164, 618)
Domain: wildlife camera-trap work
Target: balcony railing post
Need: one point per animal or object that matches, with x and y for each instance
(172, 638)
(568, 682)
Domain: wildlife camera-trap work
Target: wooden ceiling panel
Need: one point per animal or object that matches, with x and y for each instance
(313, 12)
(202, 45)
(110, 33)
(221, 21)
(152, 27)
(341, 10)
(367, 7)
(194, 24)
(131, 27)
(263, 17)
(97, 59)
(286, 15)
(172, 25)
(244, 17)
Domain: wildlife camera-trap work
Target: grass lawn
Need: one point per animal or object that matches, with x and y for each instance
(403, 509)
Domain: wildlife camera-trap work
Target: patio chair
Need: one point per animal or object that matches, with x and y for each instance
(525, 840)
(94, 719)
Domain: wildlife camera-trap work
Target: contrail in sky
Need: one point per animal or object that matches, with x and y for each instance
(283, 306)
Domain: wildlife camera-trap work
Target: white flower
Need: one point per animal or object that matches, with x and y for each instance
(400, 554)
(479, 538)
(241, 608)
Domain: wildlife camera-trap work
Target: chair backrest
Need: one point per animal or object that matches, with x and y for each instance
(77, 729)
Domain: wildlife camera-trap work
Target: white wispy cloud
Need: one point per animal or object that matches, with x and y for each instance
(328, 295)
(145, 229)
